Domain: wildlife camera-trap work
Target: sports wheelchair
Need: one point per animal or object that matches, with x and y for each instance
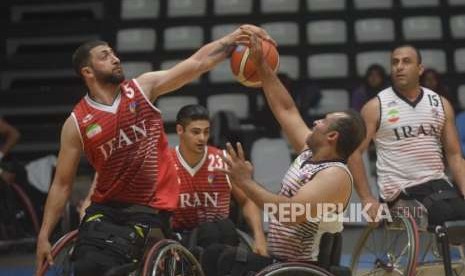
(165, 257)
(328, 261)
(407, 245)
(19, 224)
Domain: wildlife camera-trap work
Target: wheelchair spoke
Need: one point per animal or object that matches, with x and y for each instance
(171, 259)
(385, 250)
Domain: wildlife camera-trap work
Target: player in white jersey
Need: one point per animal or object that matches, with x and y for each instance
(318, 176)
(412, 127)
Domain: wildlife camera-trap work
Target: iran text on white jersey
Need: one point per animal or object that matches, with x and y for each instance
(408, 141)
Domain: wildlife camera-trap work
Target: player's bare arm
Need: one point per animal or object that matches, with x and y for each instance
(11, 136)
(86, 203)
(370, 114)
(281, 103)
(452, 149)
(253, 217)
(60, 190)
(155, 84)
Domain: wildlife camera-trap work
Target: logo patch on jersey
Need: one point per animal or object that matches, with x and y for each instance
(93, 130)
(132, 107)
(393, 116)
(210, 178)
(435, 112)
(87, 118)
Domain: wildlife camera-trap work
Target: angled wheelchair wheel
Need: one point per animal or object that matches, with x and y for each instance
(168, 257)
(245, 240)
(389, 249)
(19, 224)
(61, 253)
(293, 269)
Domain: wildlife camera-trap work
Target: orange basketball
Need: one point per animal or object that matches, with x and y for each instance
(244, 69)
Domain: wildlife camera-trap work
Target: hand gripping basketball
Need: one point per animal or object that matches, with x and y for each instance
(244, 69)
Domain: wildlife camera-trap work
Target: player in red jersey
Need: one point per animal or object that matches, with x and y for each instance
(122, 135)
(205, 193)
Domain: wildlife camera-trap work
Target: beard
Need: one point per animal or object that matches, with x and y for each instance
(111, 78)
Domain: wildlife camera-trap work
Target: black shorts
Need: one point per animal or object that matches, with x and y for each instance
(111, 236)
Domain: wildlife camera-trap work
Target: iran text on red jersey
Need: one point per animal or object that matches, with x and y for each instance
(126, 144)
(205, 194)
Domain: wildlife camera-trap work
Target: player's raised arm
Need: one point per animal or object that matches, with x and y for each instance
(281, 103)
(161, 82)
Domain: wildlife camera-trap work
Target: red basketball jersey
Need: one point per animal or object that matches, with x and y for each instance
(205, 194)
(127, 146)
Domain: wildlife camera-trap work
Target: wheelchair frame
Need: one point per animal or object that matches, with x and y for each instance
(149, 266)
(439, 233)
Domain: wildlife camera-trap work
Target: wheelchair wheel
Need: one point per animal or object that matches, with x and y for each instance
(390, 249)
(168, 257)
(61, 253)
(245, 240)
(293, 269)
(20, 212)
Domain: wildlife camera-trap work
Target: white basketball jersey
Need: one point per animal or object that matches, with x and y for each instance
(408, 141)
(301, 242)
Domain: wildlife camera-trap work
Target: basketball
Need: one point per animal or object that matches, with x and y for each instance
(244, 69)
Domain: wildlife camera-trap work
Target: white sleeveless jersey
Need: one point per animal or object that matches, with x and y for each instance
(301, 242)
(408, 141)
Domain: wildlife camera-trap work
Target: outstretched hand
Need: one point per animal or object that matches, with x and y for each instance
(255, 30)
(244, 34)
(43, 255)
(239, 169)
(256, 50)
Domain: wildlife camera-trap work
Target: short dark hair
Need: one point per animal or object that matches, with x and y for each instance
(192, 112)
(419, 58)
(82, 54)
(352, 132)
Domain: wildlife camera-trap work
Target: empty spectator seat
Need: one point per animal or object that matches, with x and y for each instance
(228, 7)
(374, 30)
(284, 33)
(182, 8)
(136, 40)
(326, 32)
(279, 6)
(422, 28)
(366, 59)
(170, 105)
(326, 5)
(332, 65)
(183, 38)
(235, 102)
(140, 9)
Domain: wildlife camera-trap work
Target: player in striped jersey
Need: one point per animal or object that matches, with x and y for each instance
(205, 193)
(122, 135)
(317, 176)
(412, 127)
